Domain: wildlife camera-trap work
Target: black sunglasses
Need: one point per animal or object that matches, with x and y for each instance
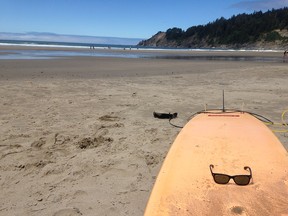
(238, 179)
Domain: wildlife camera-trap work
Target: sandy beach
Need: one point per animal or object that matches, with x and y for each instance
(78, 136)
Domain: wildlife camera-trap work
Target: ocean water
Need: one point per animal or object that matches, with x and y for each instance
(85, 49)
(57, 44)
(104, 50)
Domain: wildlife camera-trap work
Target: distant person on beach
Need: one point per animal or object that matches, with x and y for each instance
(285, 56)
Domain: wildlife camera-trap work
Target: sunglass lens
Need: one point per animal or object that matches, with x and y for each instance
(221, 179)
(242, 180)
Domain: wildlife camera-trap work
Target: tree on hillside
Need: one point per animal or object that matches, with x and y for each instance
(174, 33)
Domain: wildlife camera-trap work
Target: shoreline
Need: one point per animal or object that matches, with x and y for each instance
(55, 53)
(262, 52)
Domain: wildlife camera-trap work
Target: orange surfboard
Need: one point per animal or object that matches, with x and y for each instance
(230, 141)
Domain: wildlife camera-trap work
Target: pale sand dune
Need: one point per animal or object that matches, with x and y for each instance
(78, 136)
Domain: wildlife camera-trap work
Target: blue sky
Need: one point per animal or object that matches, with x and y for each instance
(119, 18)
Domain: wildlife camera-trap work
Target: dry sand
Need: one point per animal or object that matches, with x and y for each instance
(78, 136)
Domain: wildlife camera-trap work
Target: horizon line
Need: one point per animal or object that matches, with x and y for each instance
(55, 37)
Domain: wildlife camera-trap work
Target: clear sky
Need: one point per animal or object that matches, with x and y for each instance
(120, 18)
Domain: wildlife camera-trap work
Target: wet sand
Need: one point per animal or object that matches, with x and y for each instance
(78, 135)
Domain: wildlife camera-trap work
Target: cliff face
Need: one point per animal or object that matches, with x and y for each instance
(156, 40)
(160, 40)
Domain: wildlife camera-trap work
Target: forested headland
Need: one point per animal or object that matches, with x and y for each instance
(256, 30)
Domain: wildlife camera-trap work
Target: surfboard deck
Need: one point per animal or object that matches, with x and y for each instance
(229, 141)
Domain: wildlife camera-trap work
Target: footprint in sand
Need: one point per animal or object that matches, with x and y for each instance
(89, 142)
(39, 143)
(152, 131)
(116, 125)
(69, 211)
(61, 139)
(79, 194)
(109, 118)
(151, 159)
